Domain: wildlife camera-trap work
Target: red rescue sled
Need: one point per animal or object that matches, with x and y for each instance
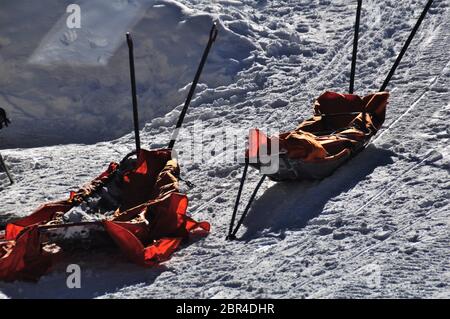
(148, 225)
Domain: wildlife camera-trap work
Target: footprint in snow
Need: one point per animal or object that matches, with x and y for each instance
(119, 4)
(323, 231)
(382, 235)
(69, 37)
(340, 235)
(97, 42)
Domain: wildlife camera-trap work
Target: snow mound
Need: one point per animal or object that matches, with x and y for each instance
(73, 86)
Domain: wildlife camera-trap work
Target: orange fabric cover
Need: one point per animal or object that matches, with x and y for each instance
(148, 227)
(333, 130)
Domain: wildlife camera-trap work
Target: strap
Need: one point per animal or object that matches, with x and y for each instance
(188, 183)
(338, 114)
(132, 153)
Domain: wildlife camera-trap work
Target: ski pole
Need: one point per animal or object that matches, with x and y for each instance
(232, 236)
(236, 203)
(133, 93)
(355, 47)
(2, 164)
(212, 38)
(405, 46)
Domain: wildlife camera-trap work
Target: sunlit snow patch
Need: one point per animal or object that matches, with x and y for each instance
(103, 25)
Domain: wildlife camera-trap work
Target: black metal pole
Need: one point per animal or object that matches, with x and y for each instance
(355, 47)
(3, 165)
(212, 38)
(133, 93)
(247, 208)
(236, 203)
(405, 46)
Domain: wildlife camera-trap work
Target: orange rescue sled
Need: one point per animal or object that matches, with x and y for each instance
(342, 125)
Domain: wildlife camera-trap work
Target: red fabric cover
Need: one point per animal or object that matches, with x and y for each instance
(140, 182)
(23, 258)
(169, 226)
(332, 102)
(148, 227)
(258, 142)
(43, 214)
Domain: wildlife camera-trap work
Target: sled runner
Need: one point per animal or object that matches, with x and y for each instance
(341, 127)
(136, 204)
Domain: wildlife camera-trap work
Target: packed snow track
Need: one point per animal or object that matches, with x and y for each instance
(379, 227)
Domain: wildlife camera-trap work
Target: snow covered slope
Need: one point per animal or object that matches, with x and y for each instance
(64, 85)
(379, 227)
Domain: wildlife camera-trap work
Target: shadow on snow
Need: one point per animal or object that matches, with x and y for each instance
(290, 205)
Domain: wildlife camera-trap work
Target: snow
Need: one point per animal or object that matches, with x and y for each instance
(76, 81)
(378, 227)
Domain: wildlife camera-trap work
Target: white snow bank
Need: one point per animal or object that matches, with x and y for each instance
(65, 85)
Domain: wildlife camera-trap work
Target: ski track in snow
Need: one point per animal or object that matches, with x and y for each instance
(378, 227)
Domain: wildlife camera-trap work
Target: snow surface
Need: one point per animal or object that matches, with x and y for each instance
(379, 227)
(64, 85)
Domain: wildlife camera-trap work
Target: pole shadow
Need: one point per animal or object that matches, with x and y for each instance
(290, 205)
